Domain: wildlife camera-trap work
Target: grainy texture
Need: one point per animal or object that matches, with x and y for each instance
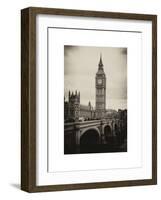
(28, 98)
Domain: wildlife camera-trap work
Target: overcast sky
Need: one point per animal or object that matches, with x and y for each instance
(81, 65)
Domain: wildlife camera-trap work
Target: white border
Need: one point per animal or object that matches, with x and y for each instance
(57, 38)
(103, 175)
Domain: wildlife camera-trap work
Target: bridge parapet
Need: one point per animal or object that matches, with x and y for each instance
(72, 125)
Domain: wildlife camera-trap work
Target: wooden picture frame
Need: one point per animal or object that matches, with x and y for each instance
(28, 98)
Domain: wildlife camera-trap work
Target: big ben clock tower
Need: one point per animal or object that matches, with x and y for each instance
(100, 90)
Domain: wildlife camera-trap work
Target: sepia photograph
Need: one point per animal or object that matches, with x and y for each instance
(95, 99)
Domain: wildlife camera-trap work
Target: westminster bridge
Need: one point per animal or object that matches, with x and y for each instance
(105, 135)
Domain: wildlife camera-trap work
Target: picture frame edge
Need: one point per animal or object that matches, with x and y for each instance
(28, 101)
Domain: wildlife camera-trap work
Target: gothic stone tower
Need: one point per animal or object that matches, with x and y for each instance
(74, 106)
(100, 91)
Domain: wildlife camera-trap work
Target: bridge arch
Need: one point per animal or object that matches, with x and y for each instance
(94, 129)
(107, 130)
(89, 140)
(108, 133)
(116, 128)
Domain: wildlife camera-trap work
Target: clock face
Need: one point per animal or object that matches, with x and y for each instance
(99, 81)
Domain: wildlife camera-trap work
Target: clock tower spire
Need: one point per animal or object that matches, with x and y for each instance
(100, 62)
(100, 90)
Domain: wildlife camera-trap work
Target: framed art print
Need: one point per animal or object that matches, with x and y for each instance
(88, 99)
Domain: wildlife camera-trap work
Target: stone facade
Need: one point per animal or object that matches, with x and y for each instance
(100, 83)
(74, 111)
